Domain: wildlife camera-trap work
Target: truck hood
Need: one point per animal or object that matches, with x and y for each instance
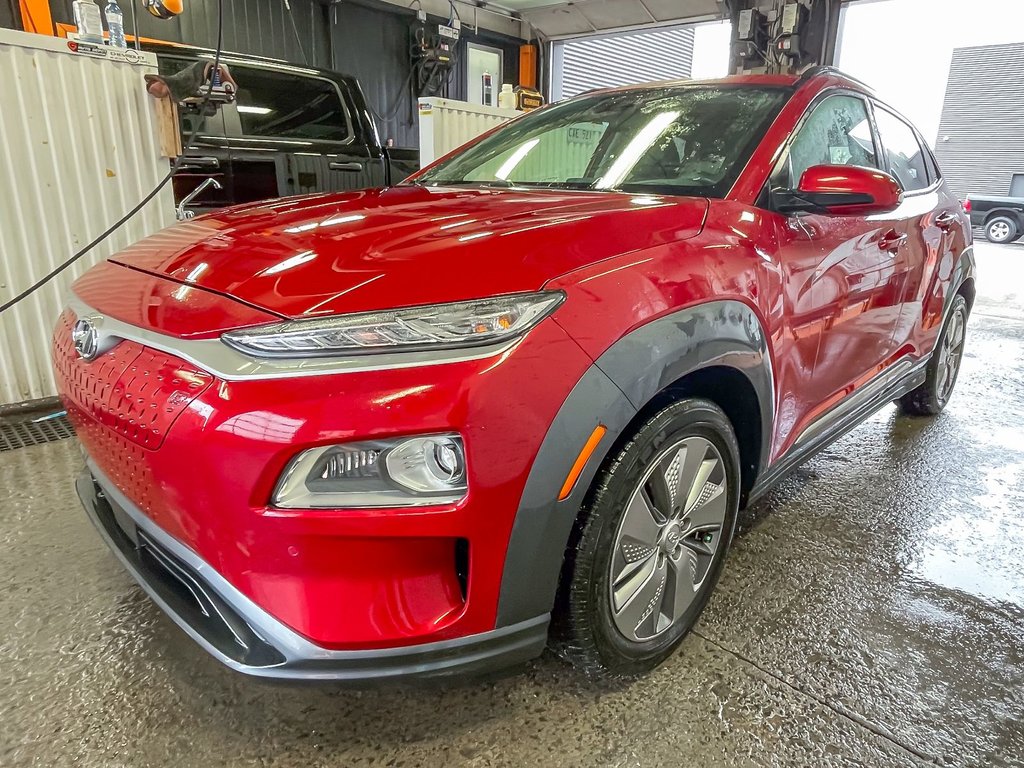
(408, 245)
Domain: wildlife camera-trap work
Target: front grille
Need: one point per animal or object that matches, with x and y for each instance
(22, 434)
(131, 390)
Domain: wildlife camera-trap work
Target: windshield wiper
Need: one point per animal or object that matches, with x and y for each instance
(456, 183)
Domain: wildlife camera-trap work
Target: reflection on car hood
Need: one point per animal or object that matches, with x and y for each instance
(407, 245)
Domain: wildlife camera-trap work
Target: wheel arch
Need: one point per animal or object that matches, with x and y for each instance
(735, 394)
(1009, 213)
(963, 279)
(717, 351)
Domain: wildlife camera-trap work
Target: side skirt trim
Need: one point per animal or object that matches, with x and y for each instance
(894, 382)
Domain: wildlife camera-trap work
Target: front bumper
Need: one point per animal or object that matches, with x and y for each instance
(246, 638)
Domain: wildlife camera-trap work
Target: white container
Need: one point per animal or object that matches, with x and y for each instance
(446, 124)
(79, 150)
(507, 97)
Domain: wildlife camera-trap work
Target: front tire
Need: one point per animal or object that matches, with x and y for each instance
(931, 397)
(651, 542)
(1001, 229)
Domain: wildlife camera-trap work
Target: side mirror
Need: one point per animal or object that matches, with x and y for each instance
(840, 189)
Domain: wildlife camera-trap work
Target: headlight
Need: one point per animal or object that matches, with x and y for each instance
(407, 471)
(462, 324)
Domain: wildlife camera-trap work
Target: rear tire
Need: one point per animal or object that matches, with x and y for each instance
(931, 397)
(647, 550)
(1001, 229)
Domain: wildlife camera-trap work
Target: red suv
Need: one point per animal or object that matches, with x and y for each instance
(519, 398)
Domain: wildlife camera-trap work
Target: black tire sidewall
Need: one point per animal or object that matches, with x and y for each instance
(1014, 230)
(959, 305)
(686, 418)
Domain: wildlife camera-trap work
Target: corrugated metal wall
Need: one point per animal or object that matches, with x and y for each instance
(980, 143)
(259, 27)
(10, 17)
(65, 175)
(635, 57)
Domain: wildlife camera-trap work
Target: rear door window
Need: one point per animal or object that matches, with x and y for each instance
(904, 157)
(276, 104)
(837, 132)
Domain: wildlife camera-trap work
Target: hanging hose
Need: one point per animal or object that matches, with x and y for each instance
(142, 203)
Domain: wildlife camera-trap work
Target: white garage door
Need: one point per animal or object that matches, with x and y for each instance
(583, 64)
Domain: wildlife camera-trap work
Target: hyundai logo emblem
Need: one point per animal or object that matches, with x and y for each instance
(86, 339)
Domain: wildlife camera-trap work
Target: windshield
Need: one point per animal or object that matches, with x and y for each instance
(680, 140)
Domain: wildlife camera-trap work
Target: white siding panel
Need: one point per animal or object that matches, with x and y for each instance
(79, 150)
(980, 144)
(636, 57)
(446, 124)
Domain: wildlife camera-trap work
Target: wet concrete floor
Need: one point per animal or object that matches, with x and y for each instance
(871, 613)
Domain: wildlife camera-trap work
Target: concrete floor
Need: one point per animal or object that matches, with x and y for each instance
(871, 613)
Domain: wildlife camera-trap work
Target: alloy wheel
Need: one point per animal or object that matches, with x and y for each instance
(951, 354)
(999, 230)
(667, 538)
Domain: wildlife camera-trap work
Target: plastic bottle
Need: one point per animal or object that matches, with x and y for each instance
(115, 25)
(88, 21)
(507, 97)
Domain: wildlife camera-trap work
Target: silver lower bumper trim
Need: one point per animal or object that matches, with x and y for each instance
(246, 638)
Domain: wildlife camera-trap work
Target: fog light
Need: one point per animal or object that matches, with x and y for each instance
(427, 464)
(407, 471)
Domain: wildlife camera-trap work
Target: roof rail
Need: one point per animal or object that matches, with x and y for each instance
(822, 69)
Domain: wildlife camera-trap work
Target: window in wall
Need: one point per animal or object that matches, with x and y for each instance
(282, 105)
(904, 157)
(837, 132)
(1017, 185)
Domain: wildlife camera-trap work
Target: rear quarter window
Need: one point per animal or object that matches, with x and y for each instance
(904, 156)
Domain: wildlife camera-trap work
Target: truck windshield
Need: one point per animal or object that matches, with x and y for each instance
(677, 140)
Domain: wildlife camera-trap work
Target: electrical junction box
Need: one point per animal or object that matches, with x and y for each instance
(792, 18)
(452, 32)
(749, 24)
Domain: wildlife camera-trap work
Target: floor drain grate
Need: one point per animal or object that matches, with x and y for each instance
(22, 434)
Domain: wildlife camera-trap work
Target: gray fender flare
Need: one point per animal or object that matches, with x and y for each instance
(963, 270)
(612, 391)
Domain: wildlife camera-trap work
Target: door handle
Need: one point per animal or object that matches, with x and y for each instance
(199, 162)
(352, 167)
(946, 220)
(892, 241)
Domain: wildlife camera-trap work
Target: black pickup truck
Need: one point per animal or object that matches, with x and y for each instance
(1002, 218)
(292, 131)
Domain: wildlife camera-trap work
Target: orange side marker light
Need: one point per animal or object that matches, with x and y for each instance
(581, 461)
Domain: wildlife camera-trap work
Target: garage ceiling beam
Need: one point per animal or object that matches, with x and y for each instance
(561, 20)
(488, 16)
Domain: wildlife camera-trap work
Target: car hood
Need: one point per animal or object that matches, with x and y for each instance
(407, 245)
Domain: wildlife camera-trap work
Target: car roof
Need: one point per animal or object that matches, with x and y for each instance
(817, 76)
(230, 57)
